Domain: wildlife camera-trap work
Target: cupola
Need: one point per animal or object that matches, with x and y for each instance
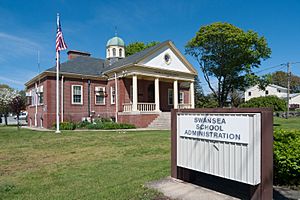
(115, 48)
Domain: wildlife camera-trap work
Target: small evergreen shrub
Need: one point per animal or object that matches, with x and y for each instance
(109, 125)
(287, 157)
(273, 102)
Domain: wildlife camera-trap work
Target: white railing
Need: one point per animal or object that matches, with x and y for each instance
(127, 107)
(145, 107)
(184, 106)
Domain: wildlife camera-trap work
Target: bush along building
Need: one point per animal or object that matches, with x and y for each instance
(140, 89)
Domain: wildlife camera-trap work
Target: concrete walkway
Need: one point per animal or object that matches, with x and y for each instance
(177, 189)
(180, 190)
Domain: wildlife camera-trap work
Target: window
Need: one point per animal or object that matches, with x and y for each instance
(181, 97)
(120, 52)
(112, 95)
(108, 53)
(167, 58)
(267, 92)
(76, 94)
(40, 95)
(249, 94)
(100, 95)
(278, 90)
(41, 98)
(170, 96)
(114, 52)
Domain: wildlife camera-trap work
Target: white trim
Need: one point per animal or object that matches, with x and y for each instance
(111, 96)
(72, 96)
(169, 92)
(98, 89)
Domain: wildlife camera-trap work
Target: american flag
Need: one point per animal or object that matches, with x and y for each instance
(60, 43)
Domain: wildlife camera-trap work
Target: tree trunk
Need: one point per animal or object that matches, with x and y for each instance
(5, 119)
(18, 124)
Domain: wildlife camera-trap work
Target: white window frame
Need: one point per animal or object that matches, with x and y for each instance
(181, 93)
(103, 89)
(72, 96)
(170, 91)
(112, 100)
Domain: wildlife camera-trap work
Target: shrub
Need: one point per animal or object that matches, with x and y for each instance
(286, 157)
(83, 124)
(66, 125)
(273, 102)
(109, 125)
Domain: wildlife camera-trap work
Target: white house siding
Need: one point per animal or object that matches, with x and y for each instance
(295, 99)
(272, 90)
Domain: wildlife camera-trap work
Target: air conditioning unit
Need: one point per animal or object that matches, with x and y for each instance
(99, 89)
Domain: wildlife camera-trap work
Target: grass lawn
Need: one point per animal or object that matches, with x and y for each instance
(290, 123)
(81, 165)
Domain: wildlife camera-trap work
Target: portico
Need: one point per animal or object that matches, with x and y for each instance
(162, 94)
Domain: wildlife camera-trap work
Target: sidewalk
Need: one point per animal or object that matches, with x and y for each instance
(180, 190)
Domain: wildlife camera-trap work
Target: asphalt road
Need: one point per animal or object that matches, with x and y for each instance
(11, 120)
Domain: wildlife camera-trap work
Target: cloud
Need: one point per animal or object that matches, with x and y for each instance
(18, 40)
(8, 80)
(12, 46)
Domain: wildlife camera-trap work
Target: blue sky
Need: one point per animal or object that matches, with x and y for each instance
(27, 27)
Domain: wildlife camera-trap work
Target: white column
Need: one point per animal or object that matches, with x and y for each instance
(134, 93)
(36, 104)
(117, 97)
(175, 94)
(62, 99)
(192, 99)
(156, 93)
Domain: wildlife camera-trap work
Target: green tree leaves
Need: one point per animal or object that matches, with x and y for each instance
(227, 54)
(137, 47)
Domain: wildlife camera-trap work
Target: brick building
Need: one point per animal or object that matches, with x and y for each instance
(136, 89)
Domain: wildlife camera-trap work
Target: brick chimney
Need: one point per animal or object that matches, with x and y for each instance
(73, 54)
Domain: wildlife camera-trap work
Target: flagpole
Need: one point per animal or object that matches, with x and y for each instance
(57, 88)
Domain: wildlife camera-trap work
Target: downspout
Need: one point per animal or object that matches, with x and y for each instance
(62, 99)
(117, 99)
(36, 105)
(89, 98)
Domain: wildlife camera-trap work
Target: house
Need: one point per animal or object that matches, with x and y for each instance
(274, 90)
(137, 89)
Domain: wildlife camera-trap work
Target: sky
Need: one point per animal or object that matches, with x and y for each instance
(29, 27)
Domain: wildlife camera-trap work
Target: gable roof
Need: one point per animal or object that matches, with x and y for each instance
(134, 58)
(90, 66)
(278, 87)
(137, 57)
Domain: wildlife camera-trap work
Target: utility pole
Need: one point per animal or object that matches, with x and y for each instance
(288, 89)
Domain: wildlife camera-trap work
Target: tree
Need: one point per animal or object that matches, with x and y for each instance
(17, 104)
(138, 46)
(227, 54)
(280, 78)
(6, 96)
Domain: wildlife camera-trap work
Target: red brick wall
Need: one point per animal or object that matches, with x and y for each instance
(72, 112)
(140, 121)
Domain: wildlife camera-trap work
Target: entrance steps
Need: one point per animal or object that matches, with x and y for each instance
(163, 121)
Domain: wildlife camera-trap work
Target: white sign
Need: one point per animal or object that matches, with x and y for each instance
(217, 127)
